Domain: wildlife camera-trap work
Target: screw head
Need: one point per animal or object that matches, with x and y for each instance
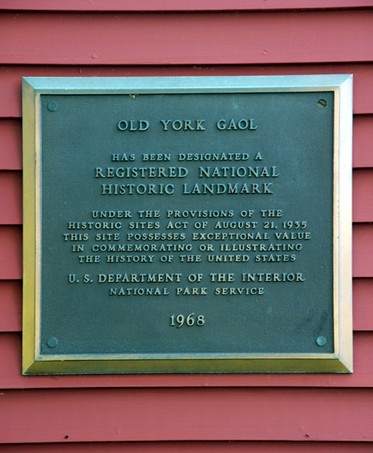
(321, 341)
(52, 342)
(52, 106)
(322, 103)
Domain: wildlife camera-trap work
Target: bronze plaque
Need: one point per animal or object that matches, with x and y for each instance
(187, 225)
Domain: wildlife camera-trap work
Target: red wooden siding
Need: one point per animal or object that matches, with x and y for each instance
(363, 141)
(10, 146)
(11, 197)
(188, 414)
(193, 447)
(170, 5)
(188, 38)
(199, 413)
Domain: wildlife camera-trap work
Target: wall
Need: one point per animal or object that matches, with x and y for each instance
(200, 412)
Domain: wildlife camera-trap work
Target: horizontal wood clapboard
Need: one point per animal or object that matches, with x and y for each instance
(261, 413)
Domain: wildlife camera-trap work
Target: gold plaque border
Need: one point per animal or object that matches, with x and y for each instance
(35, 363)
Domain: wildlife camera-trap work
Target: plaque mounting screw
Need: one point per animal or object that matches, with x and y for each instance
(52, 106)
(52, 342)
(321, 341)
(322, 103)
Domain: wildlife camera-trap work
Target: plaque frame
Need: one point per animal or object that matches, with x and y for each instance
(35, 363)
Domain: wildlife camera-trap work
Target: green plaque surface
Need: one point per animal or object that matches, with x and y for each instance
(187, 225)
